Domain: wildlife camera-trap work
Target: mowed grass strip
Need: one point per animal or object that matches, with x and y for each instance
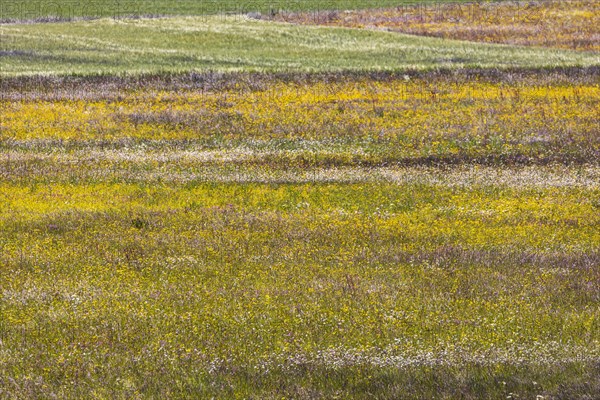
(236, 43)
(573, 24)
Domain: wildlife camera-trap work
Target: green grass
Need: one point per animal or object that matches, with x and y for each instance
(235, 43)
(33, 9)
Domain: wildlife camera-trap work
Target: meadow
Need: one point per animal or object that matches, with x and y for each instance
(297, 211)
(254, 236)
(572, 24)
(320, 120)
(304, 290)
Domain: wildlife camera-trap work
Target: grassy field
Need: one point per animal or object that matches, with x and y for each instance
(238, 43)
(327, 120)
(237, 208)
(573, 24)
(374, 288)
(48, 10)
(303, 236)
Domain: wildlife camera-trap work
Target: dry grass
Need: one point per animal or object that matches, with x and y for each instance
(573, 24)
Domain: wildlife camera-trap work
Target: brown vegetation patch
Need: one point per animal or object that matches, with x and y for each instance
(560, 24)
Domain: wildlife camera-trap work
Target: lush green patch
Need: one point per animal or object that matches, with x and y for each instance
(36, 9)
(239, 43)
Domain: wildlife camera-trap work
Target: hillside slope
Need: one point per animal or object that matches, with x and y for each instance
(239, 43)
